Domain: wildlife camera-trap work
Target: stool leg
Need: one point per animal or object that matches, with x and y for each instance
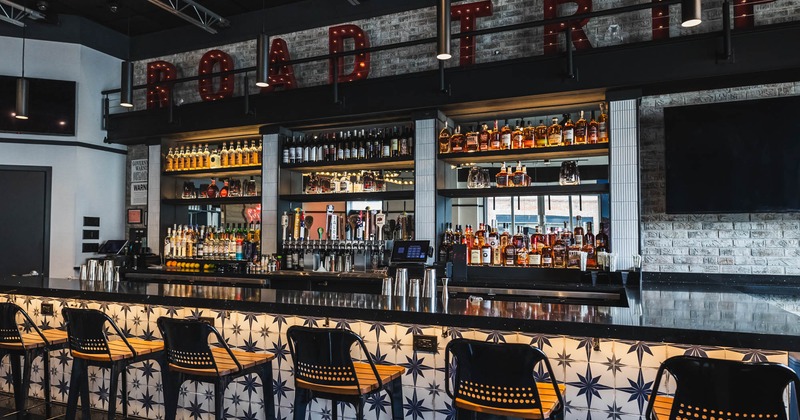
(84, 390)
(124, 394)
(172, 390)
(396, 397)
(112, 391)
(16, 377)
(219, 398)
(360, 409)
(27, 358)
(334, 410)
(48, 402)
(74, 390)
(301, 400)
(266, 385)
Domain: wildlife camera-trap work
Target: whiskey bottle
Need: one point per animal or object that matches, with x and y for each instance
(471, 141)
(602, 125)
(505, 136)
(483, 138)
(559, 253)
(540, 135)
(406, 142)
(529, 136)
(206, 157)
(568, 131)
(494, 242)
(224, 155)
(601, 240)
(510, 255)
(178, 164)
(580, 130)
(494, 138)
(170, 161)
(588, 247)
(444, 139)
(536, 246)
(547, 256)
(212, 190)
(245, 154)
(578, 233)
(591, 131)
(518, 137)
(238, 154)
(457, 141)
(554, 133)
(255, 156)
(521, 251)
(518, 179)
(225, 191)
(486, 249)
(502, 178)
(394, 143)
(526, 179)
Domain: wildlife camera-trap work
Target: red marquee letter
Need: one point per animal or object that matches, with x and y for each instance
(579, 38)
(336, 37)
(743, 13)
(660, 20)
(157, 93)
(280, 74)
(467, 13)
(206, 84)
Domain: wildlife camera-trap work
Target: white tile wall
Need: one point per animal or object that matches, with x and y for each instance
(269, 194)
(425, 185)
(153, 217)
(624, 179)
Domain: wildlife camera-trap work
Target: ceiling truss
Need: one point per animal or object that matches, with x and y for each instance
(192, 12)
(13, 13)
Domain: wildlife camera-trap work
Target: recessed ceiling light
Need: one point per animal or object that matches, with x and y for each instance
(62, 123)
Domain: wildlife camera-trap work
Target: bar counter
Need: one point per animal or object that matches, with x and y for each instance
(607, 356)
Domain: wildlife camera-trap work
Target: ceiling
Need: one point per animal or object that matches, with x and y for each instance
(139, 17)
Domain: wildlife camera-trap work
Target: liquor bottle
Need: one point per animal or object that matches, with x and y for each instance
(534, 252)
(602, 125)
(483, 138)
(178, 159)
(471, 144)
(354, 148)
(559, 253)
(568, 131)
(288, 149)
(206, 157)
(224, 155)
(187, 159)
(225, 191)
(395, 143)
(341, 147)
(578, 232)
(255, 154)
(580, 130)
(312, 149)
(200, 161)
(480, 234)
(494, 138)
(576, 245)
(505, 135)
(446, 245)
(494, 242)
(444, 139)
(521, 250)
(212, 190)
(406, 142)
(502, 179)
(194, 162)
(518, 136)
(510, 255)
(591, 131)
(170, 161)
(457, 141)
(540, 135)
(528, 134)
(245, 154)
(547, 255)
(238, 154)
(554, 133)
(518, 179)
(588, 247)
(526, 179)
(601, 240)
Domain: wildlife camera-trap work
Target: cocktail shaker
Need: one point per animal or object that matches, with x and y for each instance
(401, 282)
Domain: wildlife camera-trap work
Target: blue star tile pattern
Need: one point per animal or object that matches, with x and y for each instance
(614, 412)
(415, 407)
(540, 374)
(612, 364)
(640, 347)
(309, 322)
(695, 350)
(434, 389)
(377, 327)
(280, 388)
(280, 350)
(495, 337)
(415, 367)
(377, 402)
(586, 343)
(589, 385)
(638, 390)
(449, 411)
(756, 356)
(565, 359)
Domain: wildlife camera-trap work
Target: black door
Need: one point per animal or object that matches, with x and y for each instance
(24, 220)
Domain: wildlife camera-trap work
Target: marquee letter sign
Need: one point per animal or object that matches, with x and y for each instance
(336, 39)
(158, 93)
(467, 13)
(206, 84)
(280, 74)
(579, 38)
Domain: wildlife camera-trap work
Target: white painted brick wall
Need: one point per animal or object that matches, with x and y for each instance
(758, 243)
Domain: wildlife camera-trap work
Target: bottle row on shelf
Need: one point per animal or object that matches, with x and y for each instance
(352, 182)
(230, 242)
(230, 188)
(194, 157)
(481, 137)
(349, 146)
(358, 225)
(554, 249)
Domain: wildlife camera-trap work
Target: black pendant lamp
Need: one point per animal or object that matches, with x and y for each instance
(262, 60)
(690, 13)
(443, 30)
(126, 84)
(21, 111)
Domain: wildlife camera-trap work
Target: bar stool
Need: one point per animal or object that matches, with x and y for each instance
(323, 368)
(497, 379)
(14, 344)
(722, 390)
(90, 346)
(190, 357)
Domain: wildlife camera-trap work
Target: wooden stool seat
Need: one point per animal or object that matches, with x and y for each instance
(119, 351)
(33, 340)
(662, 407)
(367, 382)
(226, 365)
(546, 394)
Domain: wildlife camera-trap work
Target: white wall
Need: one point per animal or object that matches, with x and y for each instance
(86, 182)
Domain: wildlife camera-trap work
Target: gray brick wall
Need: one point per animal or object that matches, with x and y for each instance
(421, 23)
(758, 243)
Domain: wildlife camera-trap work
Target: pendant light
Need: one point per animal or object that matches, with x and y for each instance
(690, 13)
(21, 111)
(443, 30)
(262, 52)
(126, 73)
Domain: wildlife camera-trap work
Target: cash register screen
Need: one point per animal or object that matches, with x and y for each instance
(410, 251)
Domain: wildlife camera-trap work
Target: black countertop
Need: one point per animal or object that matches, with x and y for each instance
(762, 317)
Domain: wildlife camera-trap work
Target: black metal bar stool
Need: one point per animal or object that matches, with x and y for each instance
(323, 368)
(90, 346)
(14, 343)
(497, 379)
(722, 390)
(190, 357)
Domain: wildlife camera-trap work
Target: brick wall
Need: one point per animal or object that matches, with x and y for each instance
(421, 23)
(758, 243)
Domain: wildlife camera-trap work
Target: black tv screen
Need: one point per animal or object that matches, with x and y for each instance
(51, 107)
(733, 157)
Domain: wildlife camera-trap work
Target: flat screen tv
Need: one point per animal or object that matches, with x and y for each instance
(733, 157)
(51, 107)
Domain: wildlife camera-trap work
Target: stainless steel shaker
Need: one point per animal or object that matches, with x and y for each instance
(429, 283)
(414, 288)
(84, 273)
(94, 268)
(386, 286)
(108, 270)
(401, 282)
